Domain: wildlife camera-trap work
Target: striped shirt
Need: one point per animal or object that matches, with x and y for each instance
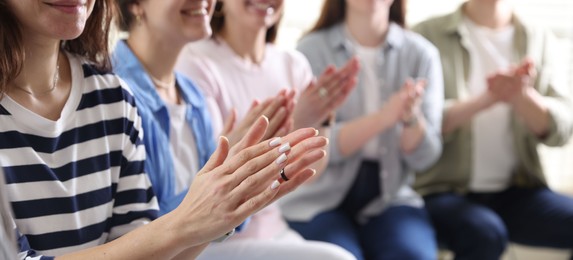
(77, 182)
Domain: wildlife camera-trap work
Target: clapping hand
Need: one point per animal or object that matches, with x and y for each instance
(405, 104)
(508, 86)
(317, 102)
(277, 109)
(232, 187)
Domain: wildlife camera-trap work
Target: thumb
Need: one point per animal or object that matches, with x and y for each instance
(218, 157)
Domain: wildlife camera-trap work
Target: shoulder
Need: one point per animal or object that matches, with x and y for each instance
(415, 41)
(198, 58)
(203, 48)
(315, 40)
(292, 57)
(534, 32)
(435, 24)
(99, 87)
(190, 89)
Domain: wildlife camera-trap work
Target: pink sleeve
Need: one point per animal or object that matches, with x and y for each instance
(301, 70)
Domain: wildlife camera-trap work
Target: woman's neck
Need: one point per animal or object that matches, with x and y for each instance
(368, 30)
(249, 44)
(44, 83)
(493, 14)
(156, 55)
(40, 67)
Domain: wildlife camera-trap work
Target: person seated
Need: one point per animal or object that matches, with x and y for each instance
(387, 129)
(73, 158)
(504, 98)
(240, 66)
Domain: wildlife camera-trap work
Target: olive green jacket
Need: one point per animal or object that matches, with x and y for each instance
(453, 170)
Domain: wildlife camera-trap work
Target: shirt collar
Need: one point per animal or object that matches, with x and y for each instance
(127, 66)
(454, 25)
(340, 39)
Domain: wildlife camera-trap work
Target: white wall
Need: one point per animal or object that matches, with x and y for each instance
(556, 15)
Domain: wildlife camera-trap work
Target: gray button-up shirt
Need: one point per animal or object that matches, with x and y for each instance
(404, 55)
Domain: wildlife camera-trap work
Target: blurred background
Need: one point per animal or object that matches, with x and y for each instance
(555, 15)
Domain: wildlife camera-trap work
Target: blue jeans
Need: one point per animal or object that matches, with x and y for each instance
(400, 232)
(479, 225)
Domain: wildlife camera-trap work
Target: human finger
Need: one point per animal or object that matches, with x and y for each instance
(250, 153)
(253, 135)
(230, 122)
(257, 183)
(276, 122)
(270, 188)
(276, 103)
(218, 157)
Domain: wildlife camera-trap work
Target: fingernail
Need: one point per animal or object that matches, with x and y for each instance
(315, 132)
(313, 172)
(275, 185)
(275, 141)
(284, 148)
(281, 158)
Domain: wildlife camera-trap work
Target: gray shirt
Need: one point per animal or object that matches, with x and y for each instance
(404, 55)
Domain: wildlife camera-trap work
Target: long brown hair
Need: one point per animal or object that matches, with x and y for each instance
(91, 44)
(218, 21)
(334, 12)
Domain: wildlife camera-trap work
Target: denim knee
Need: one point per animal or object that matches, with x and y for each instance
(486, 235)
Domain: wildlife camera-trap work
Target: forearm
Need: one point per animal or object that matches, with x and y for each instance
(156, 240)
(462, 112)
(413, 135)
(191, 253)
(530, 108)
(355, 134)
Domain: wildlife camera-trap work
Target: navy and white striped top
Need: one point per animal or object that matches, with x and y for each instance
(79, 181)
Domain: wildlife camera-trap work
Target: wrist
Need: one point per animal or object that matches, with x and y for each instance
(386, 118)
(523, 96)
(410, 121)
(485, 101)
(225, 236)
(168, 236)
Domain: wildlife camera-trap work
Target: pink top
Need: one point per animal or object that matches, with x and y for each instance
(228, 81)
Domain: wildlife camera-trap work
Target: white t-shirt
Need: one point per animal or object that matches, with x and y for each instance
(185, 157)
(228, 81)
(494, 156)
(370, 59)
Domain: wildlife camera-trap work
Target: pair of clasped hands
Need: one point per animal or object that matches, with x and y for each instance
(405, 104)
(243, 174)
(511, 85)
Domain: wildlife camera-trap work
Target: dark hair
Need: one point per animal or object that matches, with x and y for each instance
(334, 12)
(125, 17)
(91, 44)
(218, 21)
